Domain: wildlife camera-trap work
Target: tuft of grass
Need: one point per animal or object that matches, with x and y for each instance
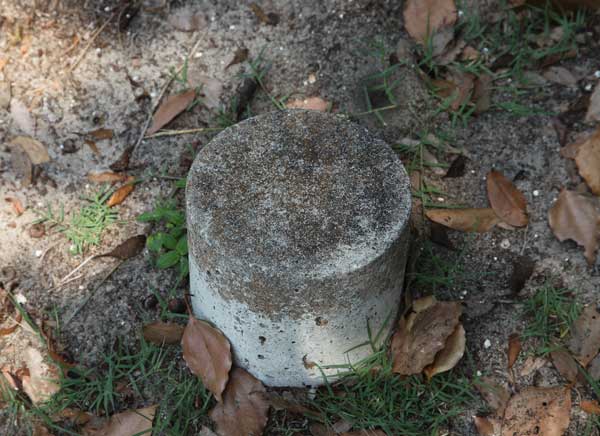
(86, 225)
(371, 396)
(259, 67)
(551, 311)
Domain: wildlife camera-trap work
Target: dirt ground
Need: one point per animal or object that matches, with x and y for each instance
(314, 51)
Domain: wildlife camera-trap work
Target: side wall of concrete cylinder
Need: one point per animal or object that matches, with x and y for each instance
(282, 350)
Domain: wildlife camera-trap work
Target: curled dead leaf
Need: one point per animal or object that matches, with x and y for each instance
(450, 355)
(585, 336)
(507, 201)
(466, 220)
(311, 103)
(487, 426)
(591, 407)
(122, 193)
(565, 364)
(588, 161)
(421, 335)
(494, 394)
(207, 353)
(16, 204)
(100, 134)
(160, 333)
(244, 409)
(107, 177)
(422, 18)
(41, 382)
(514, 348)
(574, 217)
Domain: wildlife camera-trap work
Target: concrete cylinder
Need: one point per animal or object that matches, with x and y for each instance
(298, 235)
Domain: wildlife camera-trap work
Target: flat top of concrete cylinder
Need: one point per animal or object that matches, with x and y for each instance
(296, 191)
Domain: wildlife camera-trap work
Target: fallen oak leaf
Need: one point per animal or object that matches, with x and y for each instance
(584, 342)
(107, 177)
(36, 151)
(591, 407)
(487, 426)
(494, 394)
(565, 364)
(122, 193)
(588, 161)
(573, 216)
(128, 423)
(127, 249)
(160, 333)
(244, 409)
(450, 355)
(507, 201)
(310, 103)
(514, 348)
(537, 410)
(422, 18)
(207, 353)
(466, 220)
(170, 108)
(422, 334)
(100, 134)
(16, 204)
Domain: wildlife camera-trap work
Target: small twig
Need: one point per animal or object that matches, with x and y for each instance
(68, 318)
(81, 265)
(89, 44)
(182, 132)
(524, 241)
(161, 95)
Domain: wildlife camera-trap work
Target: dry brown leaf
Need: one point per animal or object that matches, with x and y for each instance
(423, 18)
(482, 93)
(494, 394)
(170, 108)
(312, 103)
(22, 165)
(16, 204)
(244, 410)
(514, 348)
(487, 426)
(450, 355)
(574, 217)
(590, 407)
(565, 364)
(560, 75)
(466, 220)
(36, 151)
(207, 352)
(122, 193)
(127, 249)
(459, 87)
(92, 146)
(421, 335)
(107, 177)
(588, 161)
(128, 423)
(160, 333)
(538, 411)
(593, 111)
(100, 134)
(531, 365)
(507, 201)
(240, 55)
(40, 384)
(585, 336)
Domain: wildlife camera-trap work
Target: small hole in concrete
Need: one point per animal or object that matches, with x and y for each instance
(217, 271)
(260, 356)
(262, 339)
(296, 290)
(320, 321)
(207, 272)
(293, 342)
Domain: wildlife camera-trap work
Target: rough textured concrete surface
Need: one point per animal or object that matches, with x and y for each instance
(298, 234)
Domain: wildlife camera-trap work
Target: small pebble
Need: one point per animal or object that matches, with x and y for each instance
(487, 344)
(536, 193)
(37, 230)
(312, 78)
(505, 244)
(38, 253)
(588, 87)
(479, 373)
(597, 74)
(20, 298)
